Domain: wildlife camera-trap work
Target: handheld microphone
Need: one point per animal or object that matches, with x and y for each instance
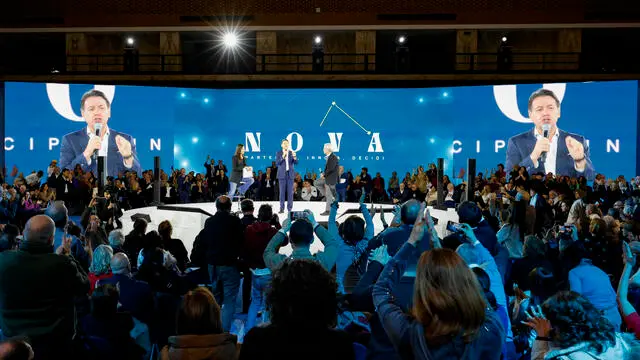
(545, 133)
(98, 129)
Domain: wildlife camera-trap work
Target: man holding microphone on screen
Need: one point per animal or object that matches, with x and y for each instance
(286, 159)
(546, 148)
(97, 139)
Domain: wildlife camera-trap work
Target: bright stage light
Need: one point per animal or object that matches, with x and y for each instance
(206, 100)
(317, 40)
(130, 41)
(230, 40)
(401, 39)
(195, 139)
(183, 95)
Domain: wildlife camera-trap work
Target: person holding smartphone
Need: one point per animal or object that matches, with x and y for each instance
(301, 235)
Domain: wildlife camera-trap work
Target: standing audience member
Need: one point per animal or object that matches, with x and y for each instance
(37, 290)
(221, 241)
(174, 246)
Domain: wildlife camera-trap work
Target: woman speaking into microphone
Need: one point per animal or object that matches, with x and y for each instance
(241, 174)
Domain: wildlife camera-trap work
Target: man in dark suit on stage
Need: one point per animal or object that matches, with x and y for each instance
(559, 153)
(84, 146)
(286, 159)
(331, 175)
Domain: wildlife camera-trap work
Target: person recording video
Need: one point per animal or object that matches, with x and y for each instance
(83, 147)
(548, 149)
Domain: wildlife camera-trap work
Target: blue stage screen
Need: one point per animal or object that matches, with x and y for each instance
(383, 129)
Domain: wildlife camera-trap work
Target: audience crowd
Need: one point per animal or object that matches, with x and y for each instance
(537, 267)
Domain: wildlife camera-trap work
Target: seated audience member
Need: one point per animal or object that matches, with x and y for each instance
(450, 320)
(16, 350)
(568, 326)
(37, 290)
(107, 330)
(303, 308)
(100, 265)
(199, 333)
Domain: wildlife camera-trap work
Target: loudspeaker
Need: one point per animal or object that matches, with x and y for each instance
(157, 184)
(102, 175)
(471, 179)
(440, 186)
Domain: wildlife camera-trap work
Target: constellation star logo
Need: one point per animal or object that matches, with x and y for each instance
(507, 99)
(60, 98)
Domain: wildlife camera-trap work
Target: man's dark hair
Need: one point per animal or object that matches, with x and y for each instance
(302, 295)
(543, 92)
(93, 93)
(301, 232)
(469, 213)
(352, 230)
(283, 140)
(246, 205)
(409, 212)
(265, 213)
(223, 203)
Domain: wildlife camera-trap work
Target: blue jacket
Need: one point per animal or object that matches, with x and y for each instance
(73, 146)
(520, 147)
(282, 166)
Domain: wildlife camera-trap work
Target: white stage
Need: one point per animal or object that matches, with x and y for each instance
(187, 225)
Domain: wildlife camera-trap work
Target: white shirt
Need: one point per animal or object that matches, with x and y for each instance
(104, 144)
(552, 154)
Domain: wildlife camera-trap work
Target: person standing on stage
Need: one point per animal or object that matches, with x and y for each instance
(286, 159)
(331, 175)
(240, 173)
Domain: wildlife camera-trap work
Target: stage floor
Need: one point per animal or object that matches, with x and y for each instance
(187, 224)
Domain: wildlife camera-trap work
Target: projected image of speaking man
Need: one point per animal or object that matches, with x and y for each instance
(546, 148)
(97, 139)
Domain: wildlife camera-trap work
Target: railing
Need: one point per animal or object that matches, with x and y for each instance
(516, 62)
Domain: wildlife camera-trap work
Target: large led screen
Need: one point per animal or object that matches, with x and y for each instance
(384, 130)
